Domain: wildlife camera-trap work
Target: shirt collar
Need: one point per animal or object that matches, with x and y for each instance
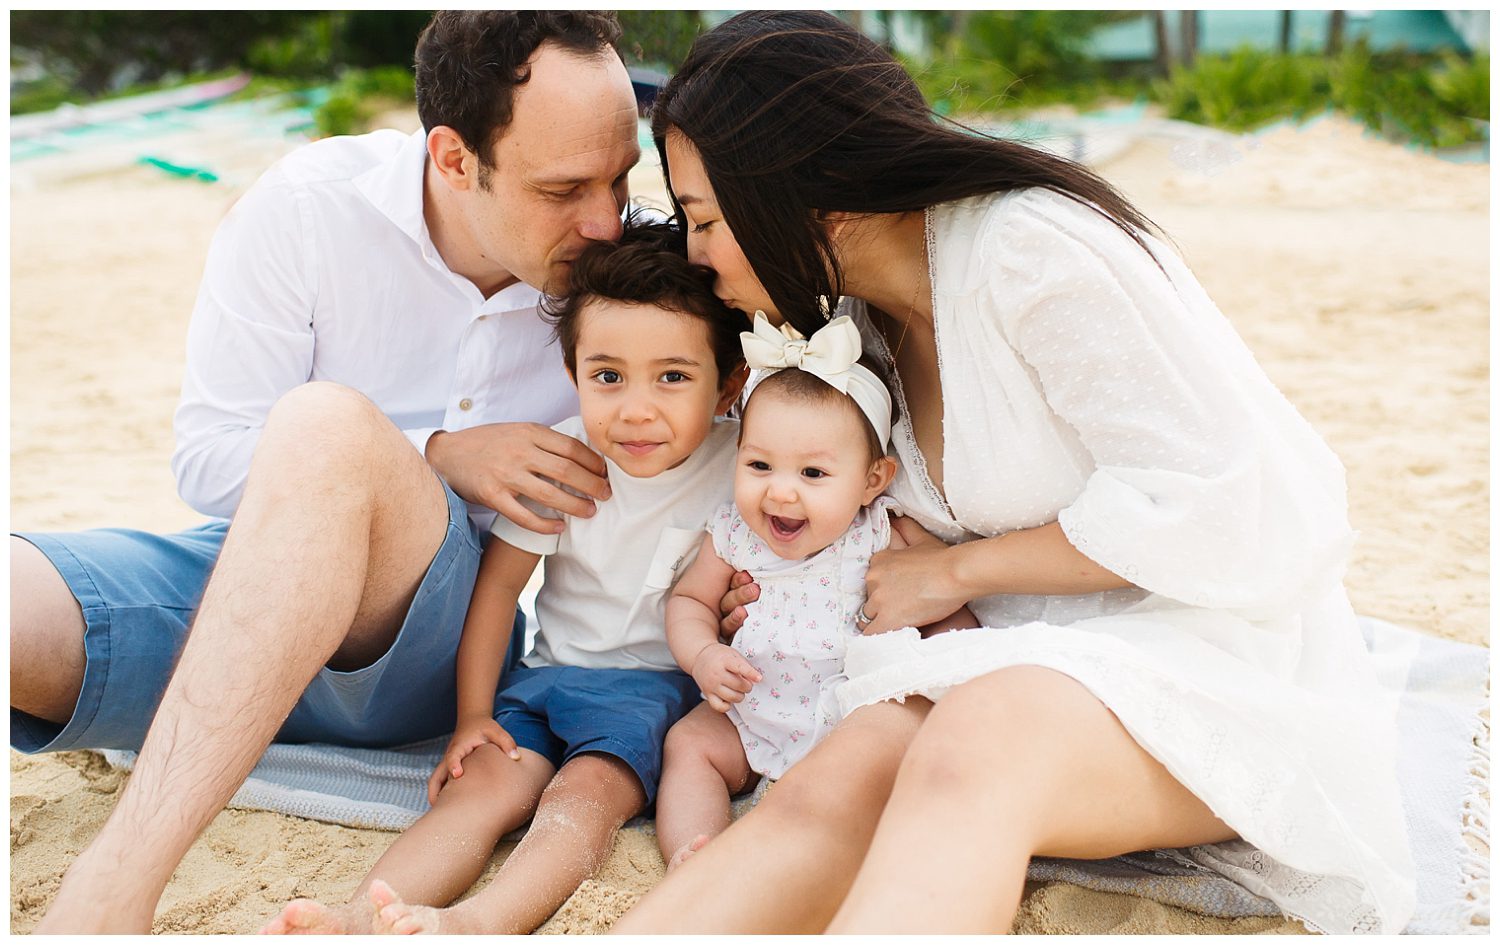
(395, 187)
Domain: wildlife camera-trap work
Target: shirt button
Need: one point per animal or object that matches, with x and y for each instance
(465, 404)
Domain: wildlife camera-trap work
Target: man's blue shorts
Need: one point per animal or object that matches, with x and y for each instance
(561, 711)
(139, 592)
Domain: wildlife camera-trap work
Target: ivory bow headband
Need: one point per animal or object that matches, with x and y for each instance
(831, 355)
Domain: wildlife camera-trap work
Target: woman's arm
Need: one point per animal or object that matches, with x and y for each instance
(927, 581)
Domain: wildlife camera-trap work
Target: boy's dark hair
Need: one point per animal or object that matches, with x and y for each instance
(648, 266)
(469, 62)
(798, 385)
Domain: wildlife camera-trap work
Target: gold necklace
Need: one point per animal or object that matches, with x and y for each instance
(906, 325)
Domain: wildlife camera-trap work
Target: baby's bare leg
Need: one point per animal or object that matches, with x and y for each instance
(703, 766)
(569, 839)
(440, 856)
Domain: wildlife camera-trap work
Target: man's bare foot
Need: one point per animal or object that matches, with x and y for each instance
(682, 855)
(394, 917)
(310, 917)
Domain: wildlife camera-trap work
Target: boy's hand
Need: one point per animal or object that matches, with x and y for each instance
(471, 733)
(723, 675)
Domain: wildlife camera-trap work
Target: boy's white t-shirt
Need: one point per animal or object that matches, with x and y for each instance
(604, 592)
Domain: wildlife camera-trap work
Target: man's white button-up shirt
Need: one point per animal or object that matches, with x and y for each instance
(325, 271)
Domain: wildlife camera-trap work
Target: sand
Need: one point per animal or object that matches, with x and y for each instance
(1356, 270)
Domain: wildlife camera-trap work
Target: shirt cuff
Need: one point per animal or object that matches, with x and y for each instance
(523, 538)
(420, 437)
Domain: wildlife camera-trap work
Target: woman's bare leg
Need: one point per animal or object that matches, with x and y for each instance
(703, 764)
(1024, 761)
(786, 865)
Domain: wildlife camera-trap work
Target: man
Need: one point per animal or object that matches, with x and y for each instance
(367, 376)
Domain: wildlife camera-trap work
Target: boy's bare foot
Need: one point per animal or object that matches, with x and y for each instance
(682, 855)
(310, 917)
(394, 917)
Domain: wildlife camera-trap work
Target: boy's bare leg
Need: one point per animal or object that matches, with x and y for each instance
(793, 856)
(568, 840)
(703, 765)
(339, 520)
(965, 816)
(440, 856)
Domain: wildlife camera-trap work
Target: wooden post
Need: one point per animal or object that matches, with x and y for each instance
(1285, 40)
(1189, 36)
(1163, 48)
(1335, 32)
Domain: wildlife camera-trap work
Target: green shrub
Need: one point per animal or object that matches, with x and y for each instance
(1395, 95)
(1398, 95)
(658, 37)
(359, 95)
(1245, 89)
(1004, 59)
(1463, 86)
(306, 52)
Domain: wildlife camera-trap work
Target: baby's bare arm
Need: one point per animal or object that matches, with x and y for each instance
(693, 608)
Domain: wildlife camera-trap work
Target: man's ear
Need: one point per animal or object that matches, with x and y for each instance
(457, 165)
(882, 471)
(730, 391)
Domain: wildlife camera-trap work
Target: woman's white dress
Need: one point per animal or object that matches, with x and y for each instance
(1083, 384)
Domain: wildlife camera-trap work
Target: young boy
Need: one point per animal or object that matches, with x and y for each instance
(575, 733)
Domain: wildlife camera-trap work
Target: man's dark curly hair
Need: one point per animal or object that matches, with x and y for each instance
(469, 63)
(648, 266)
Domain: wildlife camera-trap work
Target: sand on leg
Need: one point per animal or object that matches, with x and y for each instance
(339, 519)
(439, 857)
(703, 766)
(793, 856)
(570, 837)
(1020, 762)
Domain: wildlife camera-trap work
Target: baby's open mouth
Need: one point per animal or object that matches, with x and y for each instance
(785, 529)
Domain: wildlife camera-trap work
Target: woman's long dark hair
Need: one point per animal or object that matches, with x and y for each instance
(796, 113)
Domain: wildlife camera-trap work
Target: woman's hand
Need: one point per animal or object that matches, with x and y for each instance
(470, 734)
(742, 590)
(910, 584)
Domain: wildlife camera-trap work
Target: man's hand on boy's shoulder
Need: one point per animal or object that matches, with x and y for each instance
(494, 464)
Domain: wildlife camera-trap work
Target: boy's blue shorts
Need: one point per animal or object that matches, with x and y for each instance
(139, 592)
(560, 711)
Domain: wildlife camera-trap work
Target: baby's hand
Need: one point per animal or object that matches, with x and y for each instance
(471, 733)
(723, 675)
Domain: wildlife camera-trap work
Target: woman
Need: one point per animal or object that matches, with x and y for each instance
(1151, 535)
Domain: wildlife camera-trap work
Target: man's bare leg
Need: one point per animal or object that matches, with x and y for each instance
(793, 856)
(1023, 761)
(440, 856)
(703, 764)
(46, 637)
(567, 842)
(339, 520)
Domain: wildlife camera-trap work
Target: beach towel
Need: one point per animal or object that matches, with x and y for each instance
(1443, 772)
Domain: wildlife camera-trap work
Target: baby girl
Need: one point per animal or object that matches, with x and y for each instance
(807, 516)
